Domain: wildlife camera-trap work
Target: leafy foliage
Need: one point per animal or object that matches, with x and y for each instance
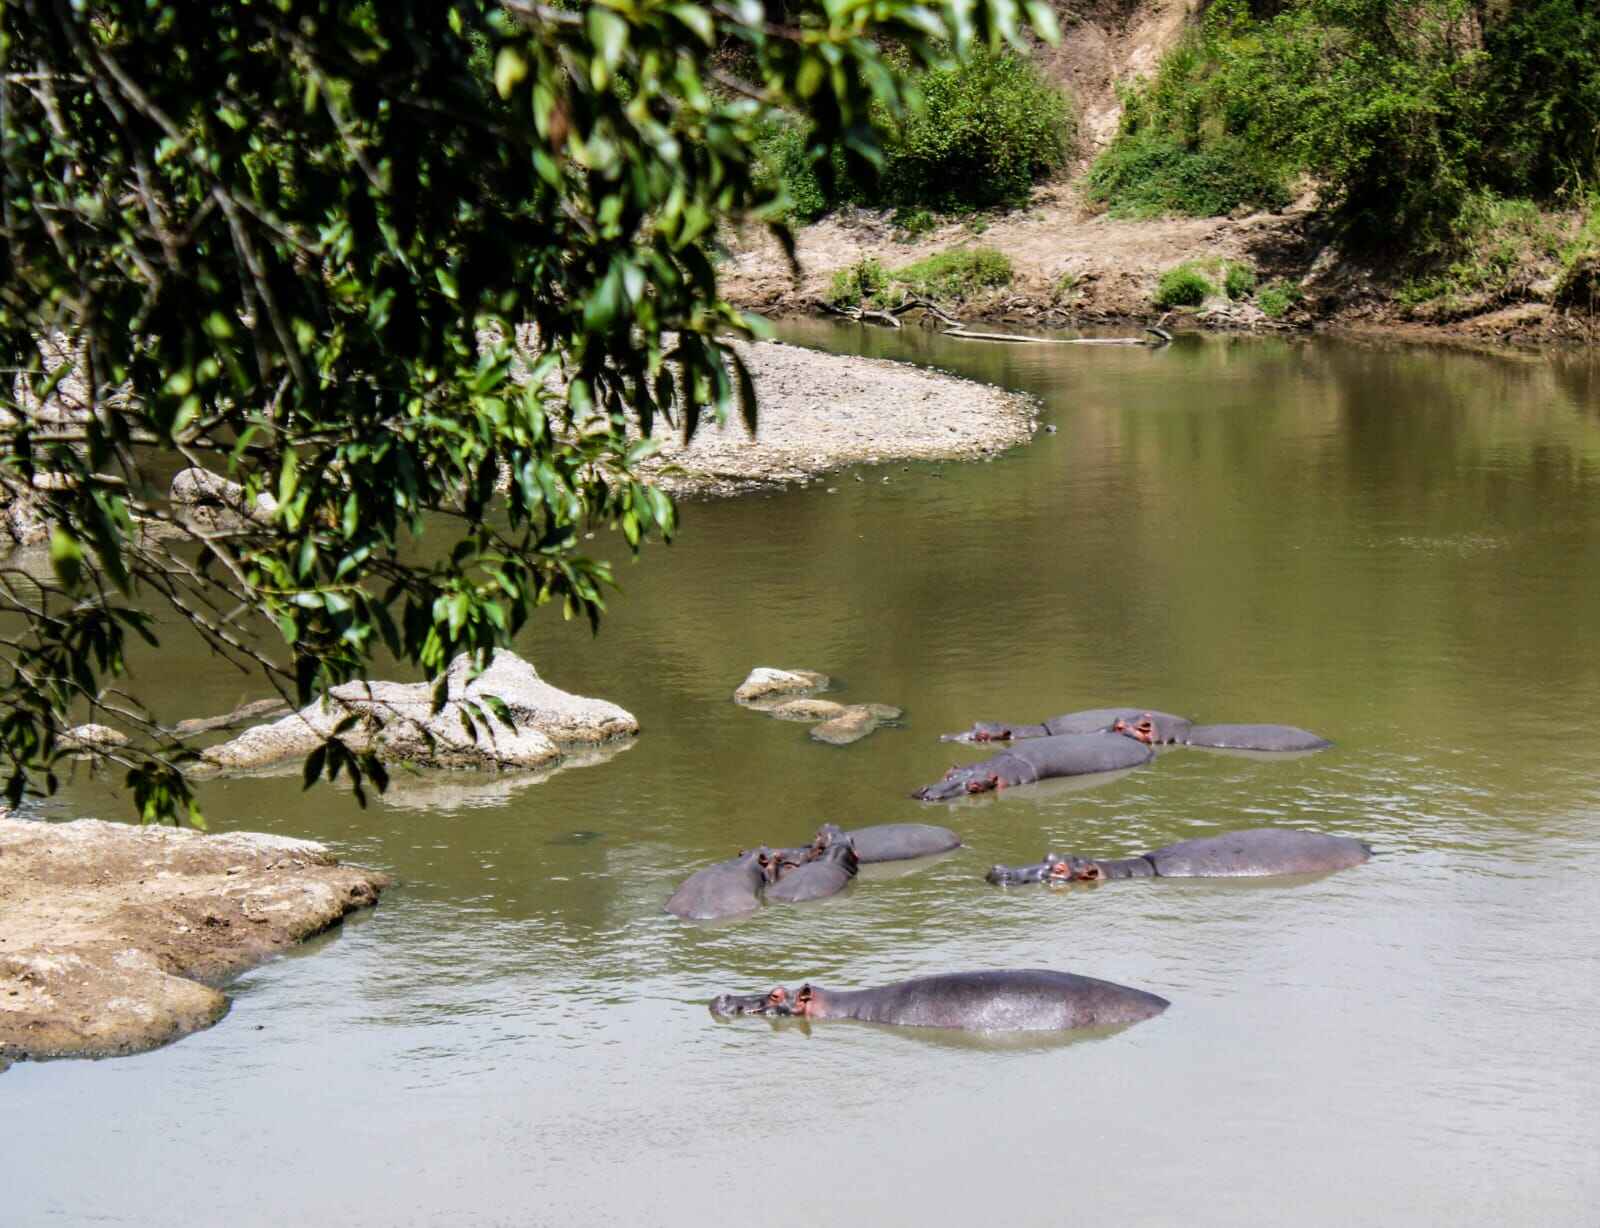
(987, 130)
(952, 276)
(957, 273)
(1403, 110)
(865, 281)
(1183, 286)
(405, 265)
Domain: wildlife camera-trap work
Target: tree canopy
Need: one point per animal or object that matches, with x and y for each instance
(395, 265)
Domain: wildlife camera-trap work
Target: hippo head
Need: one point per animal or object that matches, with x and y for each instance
(959, 782)
(1141, 730)
(981, 731)
(1055, 868)
(778, 1001)
(827, 835)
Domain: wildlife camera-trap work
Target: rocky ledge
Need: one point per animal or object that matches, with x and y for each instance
(396, 720)
(114, 937)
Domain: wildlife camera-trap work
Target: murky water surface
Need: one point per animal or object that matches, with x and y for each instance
(1398, 548)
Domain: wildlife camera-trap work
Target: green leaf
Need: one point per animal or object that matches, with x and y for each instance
(510, 69)
(66, 557)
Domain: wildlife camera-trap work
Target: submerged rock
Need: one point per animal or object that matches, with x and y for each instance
(854, 723)
(397, 722)
(764, 682)
(210, 496)
(110, 929)
(840, 724)
(807, 710)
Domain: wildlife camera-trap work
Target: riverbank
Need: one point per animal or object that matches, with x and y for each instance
(821, 412)
(115, 937)
(1074, 265)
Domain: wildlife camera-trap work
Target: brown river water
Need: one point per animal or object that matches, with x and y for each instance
(1396, 547)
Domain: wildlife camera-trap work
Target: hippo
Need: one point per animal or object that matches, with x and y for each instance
(1259, 852)
(1254, 737)
(728, 889)
(901, 841)
(1025, 1000)
(1165, 727)
(828, 873)
(824, 867)
(1040, 759)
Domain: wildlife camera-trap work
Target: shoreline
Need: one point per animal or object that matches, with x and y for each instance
(1076, 267)
(116, 937)
(821, 412)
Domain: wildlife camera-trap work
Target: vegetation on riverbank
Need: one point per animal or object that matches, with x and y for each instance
(1448, 134)
(950, 277)
(987, 131)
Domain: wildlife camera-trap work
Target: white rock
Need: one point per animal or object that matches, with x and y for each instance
(764, 682)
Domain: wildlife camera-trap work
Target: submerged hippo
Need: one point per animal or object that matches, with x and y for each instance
(812, 871)
(901, 841)
(1254, 737)
(728, 889)
(828, 873)
(1164, 726)
(1151, 728)
(1026, 1000)
(1255, 853)
(1040, 759)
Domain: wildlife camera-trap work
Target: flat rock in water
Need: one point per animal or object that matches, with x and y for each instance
(807, 710)
(398, 722)
(764, 682)
(111, 929)
(851, 725)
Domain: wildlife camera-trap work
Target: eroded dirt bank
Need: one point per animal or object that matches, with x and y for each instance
(113, 938)
(1074, 265)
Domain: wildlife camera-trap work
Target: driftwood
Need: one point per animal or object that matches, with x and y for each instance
(1161, 338)
(890, 318)
(862, 315)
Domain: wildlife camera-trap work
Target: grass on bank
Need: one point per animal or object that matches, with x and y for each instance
(952, 276)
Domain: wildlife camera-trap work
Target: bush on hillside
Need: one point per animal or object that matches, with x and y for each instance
(1403, 110)
(957, 274)
(1184, 286)
(988, 131)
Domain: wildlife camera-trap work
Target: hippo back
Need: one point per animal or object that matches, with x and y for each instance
(1258, 852)
(728, 889)
(901, 841)
(1254, 737)
(1169, 728)
(827, 875)
(1032, 999)
(1080, 754)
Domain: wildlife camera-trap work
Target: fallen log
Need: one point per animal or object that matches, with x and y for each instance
(964, 335)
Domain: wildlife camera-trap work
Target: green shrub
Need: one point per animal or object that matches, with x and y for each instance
(861, 283)
(1276, 297)
(957, 273)
(1490, 249)
(913, 223)
(1403, 111)
(1184, 286)
(1239, 281)
(987, 131)
(782, 157)
(1152, 174)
